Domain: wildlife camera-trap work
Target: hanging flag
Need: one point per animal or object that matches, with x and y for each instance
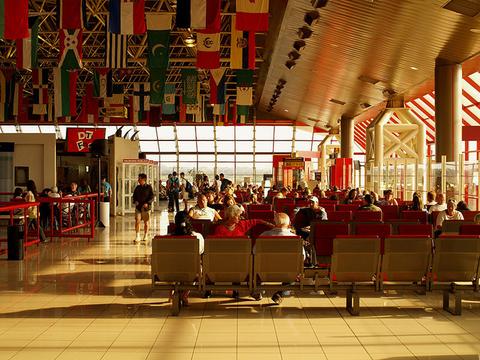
(17, 99)
(190, 81)
(114, 109)
(141, 100)
(116, 51)
(217, 86)
(102, 83)
(157, 85)
(90, 106)
(70, 49)
(65, 92)
(168, 106)
(127, 17)
(243, 112)
(244, 87)
(7, 91)
(252, 15)
(242, 53)
(159, 26)
(14, 19)
(27, 48)
(70, 14)
(208, 50)
(182, 113)
(40, 91)
(199, 14)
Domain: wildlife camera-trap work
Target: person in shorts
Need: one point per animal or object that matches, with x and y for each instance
(142, 198)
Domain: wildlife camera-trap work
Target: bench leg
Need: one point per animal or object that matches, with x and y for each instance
(457, 310)
(353, 302)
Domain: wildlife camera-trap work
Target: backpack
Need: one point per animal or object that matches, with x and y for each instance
(188, 187)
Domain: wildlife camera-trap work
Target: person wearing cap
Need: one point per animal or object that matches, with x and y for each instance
(302, 221)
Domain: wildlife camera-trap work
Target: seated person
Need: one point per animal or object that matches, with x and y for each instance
(416, 204)
(211, 201)
(440, 204)
(462, 206)
(233, 225)
(388, 199)
(183, 227)
(18, 194)
(449, 214)
(368, 206)
(202, 212)
(282, 224)
(430, 200)
(306, 215)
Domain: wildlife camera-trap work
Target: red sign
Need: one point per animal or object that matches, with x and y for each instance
(79, 140)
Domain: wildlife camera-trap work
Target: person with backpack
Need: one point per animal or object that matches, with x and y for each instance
(186, 189)
(173, 186)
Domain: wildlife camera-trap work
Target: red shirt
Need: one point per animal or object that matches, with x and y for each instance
(241, 229)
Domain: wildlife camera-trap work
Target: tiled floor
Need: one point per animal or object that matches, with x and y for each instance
(76, 300)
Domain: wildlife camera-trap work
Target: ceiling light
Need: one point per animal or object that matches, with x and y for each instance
(290, 64)
(319, 3)
(286, 110)
(475, 31)
(293, 55)
(311, 17)
(190, 41)
(299, 45)
(413, 68)
(304, 32)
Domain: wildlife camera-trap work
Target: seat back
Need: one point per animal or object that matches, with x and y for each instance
(355, 259)
(433, 217)
(452, 226)
(278, 259)
(322, 234)
(328, 207)
(469, 215)
(202, 226)
(379, 229)
(406, 258)
(390, 212)
(227, 259)
(175, 259)
(469, 229)
(346, 207)
(397, 222)
(259, 207)
(415, 229)
(367, 216)
(279, 203)
(421, 216)
(340, 216)
(302, 203)
(456, 258)
(266, 215)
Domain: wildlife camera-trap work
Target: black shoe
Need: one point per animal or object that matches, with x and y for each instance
(277, 298)
(207, 294)
(235, 294)
(257, 296)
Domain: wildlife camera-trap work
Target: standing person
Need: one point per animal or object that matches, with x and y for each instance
(170, 199)
(31, 196)
(184, 195)
(106, 190)
(84, 187)
(173, 191)
(217, 184)
(225, 182)
(142, 198)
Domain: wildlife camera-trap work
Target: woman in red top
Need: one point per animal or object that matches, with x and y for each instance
(233, 226)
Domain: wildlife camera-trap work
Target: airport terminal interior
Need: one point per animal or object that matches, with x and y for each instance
(239, 179)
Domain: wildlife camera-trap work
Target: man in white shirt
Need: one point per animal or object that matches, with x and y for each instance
(201, 211)
(448, 214)
(440, 205)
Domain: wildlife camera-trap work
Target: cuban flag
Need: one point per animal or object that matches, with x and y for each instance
(127, 17)
(252, 15)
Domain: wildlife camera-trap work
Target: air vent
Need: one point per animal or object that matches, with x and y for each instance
(339, 102)
(465, 7)
(368, 79)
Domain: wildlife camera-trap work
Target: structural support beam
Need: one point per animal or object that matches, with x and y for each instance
(448, 110)
(346, 137)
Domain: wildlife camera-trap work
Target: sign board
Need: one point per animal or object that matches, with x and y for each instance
(79, 139)
(7, 147)
(293, 163)
(140, 161)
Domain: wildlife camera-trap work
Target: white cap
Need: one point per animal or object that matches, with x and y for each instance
(55, 189)
(314, 199)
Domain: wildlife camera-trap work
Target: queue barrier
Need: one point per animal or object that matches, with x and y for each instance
(15, 213)
(408, 263)
(70, 216)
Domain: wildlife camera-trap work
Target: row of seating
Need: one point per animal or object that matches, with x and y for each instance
(357, 263)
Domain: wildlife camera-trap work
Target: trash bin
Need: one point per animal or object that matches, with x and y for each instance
(105, 213)
(15, 242)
